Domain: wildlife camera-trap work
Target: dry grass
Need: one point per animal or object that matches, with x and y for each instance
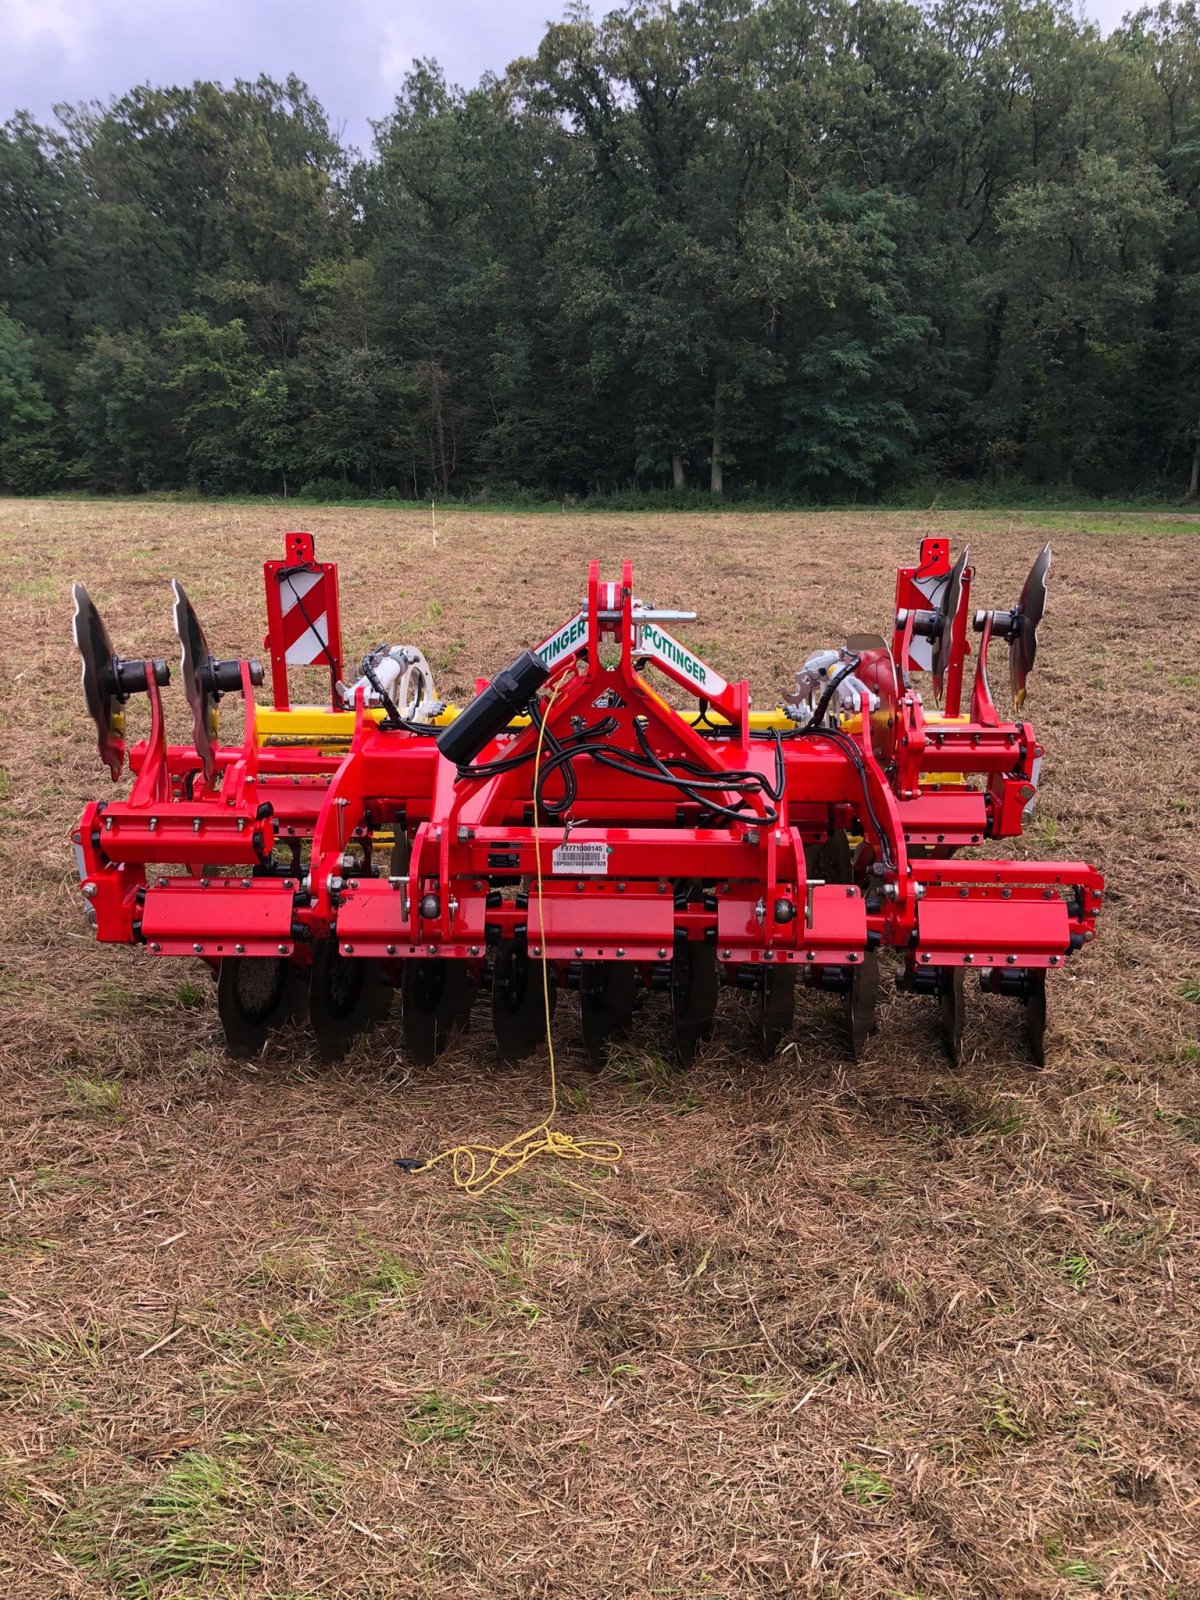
(881, 1331)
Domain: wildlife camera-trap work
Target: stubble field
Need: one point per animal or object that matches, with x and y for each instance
(828, 1330)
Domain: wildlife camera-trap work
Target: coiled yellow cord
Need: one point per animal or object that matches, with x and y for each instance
(478, 1167)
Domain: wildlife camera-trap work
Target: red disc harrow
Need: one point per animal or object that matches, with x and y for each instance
(385, 845)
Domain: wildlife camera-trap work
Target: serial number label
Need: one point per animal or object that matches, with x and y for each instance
(580, 860)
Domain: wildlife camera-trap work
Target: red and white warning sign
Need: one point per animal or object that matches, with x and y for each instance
(304, 607)
(303, 621)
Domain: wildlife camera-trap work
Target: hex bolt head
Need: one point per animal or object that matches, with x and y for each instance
(391, 949)
(89, 889)
(282, 949)
(347, 949)
(156, 949)
(198, 948)
(239, 949)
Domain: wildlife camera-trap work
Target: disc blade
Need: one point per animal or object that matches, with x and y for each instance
(438, 995)
(519, 1001)
(106, 709)
(1022, 648)
(1035, 1016)
(952, 1002)
(346, 996)
(194, 656)
(607, 995)
(861, 998)
(776, 1008)
(253, 996)
(948, 608)
(694, 988)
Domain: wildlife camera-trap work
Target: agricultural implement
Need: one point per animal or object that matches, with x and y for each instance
(607, 815)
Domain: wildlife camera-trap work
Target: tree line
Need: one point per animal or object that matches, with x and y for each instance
(737, 246)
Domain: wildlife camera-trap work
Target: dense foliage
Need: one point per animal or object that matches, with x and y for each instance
(804, 248)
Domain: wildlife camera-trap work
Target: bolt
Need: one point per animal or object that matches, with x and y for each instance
(537, 949)
(968, 959)
(474, 949)
(431, 905)
(662, 953)
(89, 890)
(353, 883)
(725, 954)
(198, 948)
(768, 955)
(1010, 961)
(851, 955)
(620, 950)
(156, 948)
(620, 888)
(282, 949)
(347, 949)
(391, 949)
(432, 949)
(810, 955)
(926, 959)
(239, 949)
(1054, 960)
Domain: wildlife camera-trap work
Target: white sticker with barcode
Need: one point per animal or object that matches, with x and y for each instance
(580, 860)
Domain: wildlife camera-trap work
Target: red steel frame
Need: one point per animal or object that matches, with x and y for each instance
(471, 836)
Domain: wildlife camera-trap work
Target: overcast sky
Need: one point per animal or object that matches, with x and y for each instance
(353, 54)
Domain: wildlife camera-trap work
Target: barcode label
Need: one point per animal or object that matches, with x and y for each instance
(580, 860)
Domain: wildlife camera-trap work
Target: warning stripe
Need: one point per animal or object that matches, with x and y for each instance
(304, 645)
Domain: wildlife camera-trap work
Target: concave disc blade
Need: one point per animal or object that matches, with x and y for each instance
(1022, 649)
(519, 998)
(948, 610)
(953, 1008)
(607, 992)
(1035, 1016)
(438, 995)
(346, 996)
(776, 1007)
(861, 997)
(253, 996)
(194, 657)
(106, 710)
(694, 986)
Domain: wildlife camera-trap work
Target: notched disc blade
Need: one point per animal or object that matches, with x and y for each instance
(694, 987)
(607, 993)
(950, 602)
(346, 996)
(438, 995)
(1035, 1016)
(194, 656)
(519, 1001)
(253, 996)
(1022, 648)
(107, 710)
(953, 1008)
(776, 1007)
(860, 1000)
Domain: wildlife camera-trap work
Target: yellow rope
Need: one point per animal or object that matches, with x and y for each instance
(478, 1167)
